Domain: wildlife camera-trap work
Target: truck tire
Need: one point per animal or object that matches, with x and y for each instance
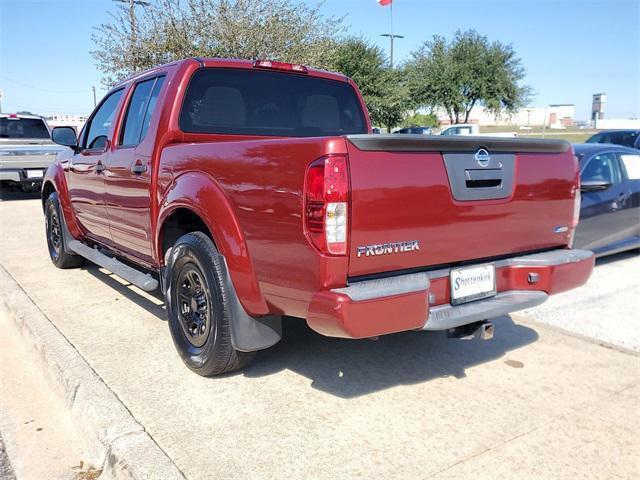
(199, 308)
(59, 254)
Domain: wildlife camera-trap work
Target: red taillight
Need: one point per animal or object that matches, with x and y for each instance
(291, 67)
(326, 204)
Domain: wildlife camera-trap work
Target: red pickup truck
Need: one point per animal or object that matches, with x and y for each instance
(247, 191)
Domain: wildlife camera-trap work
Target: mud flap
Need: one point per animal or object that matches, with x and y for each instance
(249, 333)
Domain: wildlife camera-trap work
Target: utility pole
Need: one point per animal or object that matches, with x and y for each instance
(391, 36)
(94, 96)
(133, 25)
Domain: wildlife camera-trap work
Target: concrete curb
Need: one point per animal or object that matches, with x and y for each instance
(115, 439)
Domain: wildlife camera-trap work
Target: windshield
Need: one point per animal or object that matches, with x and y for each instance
(23, 128)
(258, 102)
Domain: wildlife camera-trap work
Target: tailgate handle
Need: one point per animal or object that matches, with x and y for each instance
(483, 178)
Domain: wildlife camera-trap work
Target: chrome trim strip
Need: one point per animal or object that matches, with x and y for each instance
(443, 317)
(385, 287)
(553, 257)
(544, 259)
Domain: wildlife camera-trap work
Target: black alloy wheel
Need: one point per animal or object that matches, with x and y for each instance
(194, 301)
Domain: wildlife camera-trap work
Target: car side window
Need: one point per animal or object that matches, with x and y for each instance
(631, 165)
(151, 107)
(601, 168)
(139, 111)
(100, 123)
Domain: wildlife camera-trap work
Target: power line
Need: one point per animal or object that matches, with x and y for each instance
(46, 90)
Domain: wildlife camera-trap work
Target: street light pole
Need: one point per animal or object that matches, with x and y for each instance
(132, 22)
(391, 36)
(94, 96)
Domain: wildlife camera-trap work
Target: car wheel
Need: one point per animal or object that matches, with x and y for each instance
(54, 224)
(199, 308)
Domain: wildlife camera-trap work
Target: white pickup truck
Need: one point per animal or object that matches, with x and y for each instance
(473, 129)
(26, 150)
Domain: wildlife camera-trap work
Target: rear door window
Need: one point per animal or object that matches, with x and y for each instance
(23, 128)
(631, 165)
(269, 103)
(151, 107)
(139, 112)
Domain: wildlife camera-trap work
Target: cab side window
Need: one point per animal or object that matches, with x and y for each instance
(631, 164)
(602, 168)
(100, 123)
(139, 112)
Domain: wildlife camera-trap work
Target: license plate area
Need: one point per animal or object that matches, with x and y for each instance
(34, 173)
(472, 283)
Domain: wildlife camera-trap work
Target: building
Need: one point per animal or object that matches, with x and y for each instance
(553, 116)
(67, 120)
(597, 106)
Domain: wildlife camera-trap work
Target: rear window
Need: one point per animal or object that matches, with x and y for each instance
(258, 102)
(23, 128)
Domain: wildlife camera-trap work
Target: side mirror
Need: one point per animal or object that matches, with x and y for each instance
(65, 136)
(594, 185)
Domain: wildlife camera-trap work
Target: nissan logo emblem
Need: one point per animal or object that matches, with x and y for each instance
(482, 157)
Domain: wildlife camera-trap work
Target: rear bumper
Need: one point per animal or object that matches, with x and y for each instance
(21, 175)
(420, 301)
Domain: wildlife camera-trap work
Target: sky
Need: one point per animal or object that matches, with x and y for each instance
(569, 48)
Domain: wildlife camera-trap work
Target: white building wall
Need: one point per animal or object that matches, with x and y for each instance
(534, 116)
(617, 123)
(67, 120)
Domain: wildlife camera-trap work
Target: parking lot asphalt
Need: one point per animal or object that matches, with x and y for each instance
(531, 403)
(606, 309)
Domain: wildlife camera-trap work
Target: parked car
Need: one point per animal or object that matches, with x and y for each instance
(247, 191)
(610, 208)
(415, 130)
(472, 129)
(626, 138)
(26, 150)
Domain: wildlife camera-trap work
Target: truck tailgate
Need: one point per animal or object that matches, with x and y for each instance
(459, 198)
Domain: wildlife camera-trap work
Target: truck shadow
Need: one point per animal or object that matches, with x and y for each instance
(10, 194)
(351, 368)
(618, 257)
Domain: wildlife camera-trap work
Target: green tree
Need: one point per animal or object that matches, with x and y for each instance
(467, 71)
(168, 30)
(421, 119)
(384, 90)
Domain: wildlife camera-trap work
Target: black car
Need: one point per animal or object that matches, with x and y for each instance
(415, 130)
(610, 208)
(626, 138)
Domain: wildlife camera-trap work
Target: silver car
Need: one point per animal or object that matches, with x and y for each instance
(26, 150)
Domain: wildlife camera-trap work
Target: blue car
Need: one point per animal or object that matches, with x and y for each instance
(610, 208)
(627, 138)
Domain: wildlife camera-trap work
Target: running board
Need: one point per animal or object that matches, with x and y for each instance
(141, 280)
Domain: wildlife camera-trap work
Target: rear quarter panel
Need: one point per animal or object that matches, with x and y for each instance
(262, 181)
